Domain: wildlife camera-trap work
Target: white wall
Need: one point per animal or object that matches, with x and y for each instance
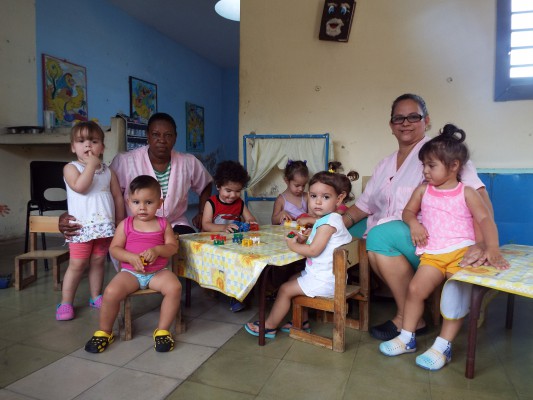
(291, 82)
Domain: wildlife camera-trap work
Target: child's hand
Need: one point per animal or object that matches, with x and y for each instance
(149, 256)
(231, 228)
(136, 262)
(495, 258)
(304, 221)
(92, 160)
(291, 242)
(419, 234)
(284, 216)
(4, 210)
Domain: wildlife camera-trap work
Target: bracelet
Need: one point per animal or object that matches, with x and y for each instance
(349, 216)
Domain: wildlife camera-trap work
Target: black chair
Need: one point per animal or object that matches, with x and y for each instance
(44, 175)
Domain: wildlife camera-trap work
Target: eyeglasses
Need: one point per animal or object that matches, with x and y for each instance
(399, 119)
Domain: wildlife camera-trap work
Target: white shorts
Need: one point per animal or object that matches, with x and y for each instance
(313, 287)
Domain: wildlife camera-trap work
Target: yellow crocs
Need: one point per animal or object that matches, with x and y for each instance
(99, 342)
(163, 341)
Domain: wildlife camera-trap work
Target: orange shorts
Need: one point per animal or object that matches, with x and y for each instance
(446, 262)
(98, 247)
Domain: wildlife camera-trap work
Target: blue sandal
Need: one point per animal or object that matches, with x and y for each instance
(305, 327)
(269, 333)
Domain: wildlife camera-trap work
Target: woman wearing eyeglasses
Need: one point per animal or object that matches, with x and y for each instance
(378, 212)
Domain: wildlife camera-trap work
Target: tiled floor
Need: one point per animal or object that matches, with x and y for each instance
(41, 358)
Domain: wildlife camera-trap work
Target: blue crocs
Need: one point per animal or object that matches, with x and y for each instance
(395, 347)
(269, 333)
(236, 306)
(434, 360)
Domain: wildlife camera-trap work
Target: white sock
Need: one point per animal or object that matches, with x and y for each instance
(406, 336)
(441, 345)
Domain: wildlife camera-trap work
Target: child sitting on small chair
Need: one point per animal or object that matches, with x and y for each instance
(222, 210)
(143, 244)
(326, 192)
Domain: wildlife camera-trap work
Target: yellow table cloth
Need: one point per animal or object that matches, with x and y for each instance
(516, 280)
(232, 268)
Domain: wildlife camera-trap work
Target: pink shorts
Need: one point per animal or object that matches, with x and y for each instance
(98, 247)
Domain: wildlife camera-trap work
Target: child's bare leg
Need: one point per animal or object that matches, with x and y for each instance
(450, 328)
(169, 285)
(72, 278)
(118, 289)
(420, 288)
(281, 306)
(96, 275)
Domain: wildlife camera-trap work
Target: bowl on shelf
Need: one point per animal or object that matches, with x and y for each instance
(25, 129)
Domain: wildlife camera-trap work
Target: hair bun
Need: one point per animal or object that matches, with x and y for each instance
(453, 132)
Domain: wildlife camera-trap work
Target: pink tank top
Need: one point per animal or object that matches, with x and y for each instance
(447, 219)
(137, 242)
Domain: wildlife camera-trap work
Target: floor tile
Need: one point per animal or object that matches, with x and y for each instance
(208, 333)
(127, 384)
(245, 343)
(221, 312)
(19, 360)
(9, 395)
(295, 381)
(179, 363)
(445, 393)
(380, 385)
(196, 391)
(64, 379)
(236, 371)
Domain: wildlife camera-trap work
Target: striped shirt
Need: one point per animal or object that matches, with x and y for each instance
(162, 178)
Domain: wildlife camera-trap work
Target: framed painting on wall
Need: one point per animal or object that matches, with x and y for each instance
(143, 99)
(194, 132)
(64, 90)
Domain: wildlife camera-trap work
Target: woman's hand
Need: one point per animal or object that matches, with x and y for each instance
(474, 256)
(68, 228)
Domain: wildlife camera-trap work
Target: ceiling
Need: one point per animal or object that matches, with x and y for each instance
(192, 23)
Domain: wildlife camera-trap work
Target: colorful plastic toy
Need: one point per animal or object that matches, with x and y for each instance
(247, 242)
(254, 226)
(237, 238)
(291, 234)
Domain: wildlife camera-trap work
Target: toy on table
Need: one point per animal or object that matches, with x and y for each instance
(291, 224)
(291, 234)
(218, 239)
(254, 226)
(237, 238)
(247, 242)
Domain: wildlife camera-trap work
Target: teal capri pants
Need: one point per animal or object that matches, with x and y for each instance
(390, 239)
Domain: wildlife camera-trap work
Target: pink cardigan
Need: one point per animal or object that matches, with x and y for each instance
(187, 173)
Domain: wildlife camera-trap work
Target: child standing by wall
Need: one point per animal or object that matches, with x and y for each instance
(447, 229)
(95, 199)
(325, 194)
(226, 207)
(292, 203)
(143, 243)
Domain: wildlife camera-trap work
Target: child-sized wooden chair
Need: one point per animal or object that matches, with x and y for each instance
(344, 257)
(125, 322)
(40, 224)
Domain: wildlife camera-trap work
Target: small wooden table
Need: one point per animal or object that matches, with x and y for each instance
(232, 268)
(517, 280)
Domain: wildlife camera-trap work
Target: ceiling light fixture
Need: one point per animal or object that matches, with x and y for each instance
(230, 9)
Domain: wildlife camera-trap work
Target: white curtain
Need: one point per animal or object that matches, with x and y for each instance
(267, 154)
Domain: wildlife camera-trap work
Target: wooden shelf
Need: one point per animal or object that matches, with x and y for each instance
(59, 136)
